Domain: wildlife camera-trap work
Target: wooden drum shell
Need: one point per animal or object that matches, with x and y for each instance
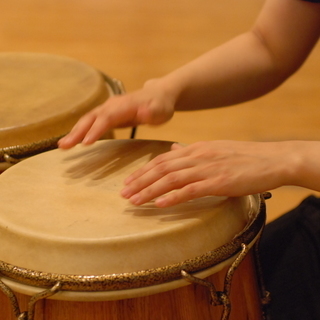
(186, 303)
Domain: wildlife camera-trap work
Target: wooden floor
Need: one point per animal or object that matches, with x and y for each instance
(137, 40)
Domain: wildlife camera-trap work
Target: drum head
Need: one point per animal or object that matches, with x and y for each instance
(62, 214)
(43, 95)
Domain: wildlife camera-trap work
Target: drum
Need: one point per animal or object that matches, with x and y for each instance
(41, 98)
(72, 248)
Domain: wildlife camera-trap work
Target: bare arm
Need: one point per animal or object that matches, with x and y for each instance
(252, 64)
(244, 68)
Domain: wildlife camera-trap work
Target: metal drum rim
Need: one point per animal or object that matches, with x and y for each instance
(21, 151)
(142, 278)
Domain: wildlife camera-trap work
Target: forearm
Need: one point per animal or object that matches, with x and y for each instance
(237, 71)
(251, 64)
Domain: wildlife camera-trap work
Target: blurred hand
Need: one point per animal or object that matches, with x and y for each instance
(220, 168)
(146, 106)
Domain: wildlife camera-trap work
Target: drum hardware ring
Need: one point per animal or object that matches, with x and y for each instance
(28, 315)
(11, 296)
(264, 294)
(10, 159)
(220, 297)
(116, 85)
(15, 154)
(267, 195)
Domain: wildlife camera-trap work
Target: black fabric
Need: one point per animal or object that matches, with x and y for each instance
(290, 259)
(315, 1)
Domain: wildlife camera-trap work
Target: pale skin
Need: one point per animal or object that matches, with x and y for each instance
(224, 168)
(244, 68)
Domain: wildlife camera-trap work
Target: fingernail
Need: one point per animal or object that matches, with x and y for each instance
(127, 180)
(135, 199)
(86, 140)
(125, 193)
(160, 202)
(63, 142)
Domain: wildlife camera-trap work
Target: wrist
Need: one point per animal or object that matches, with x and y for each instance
(165, 88)
(304, 166)
(292, 162)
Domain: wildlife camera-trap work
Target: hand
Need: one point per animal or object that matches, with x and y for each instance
(149, 105)
(220, 168)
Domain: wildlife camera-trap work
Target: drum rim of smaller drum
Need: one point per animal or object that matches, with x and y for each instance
(18, 152)
(13, 154)
(142, 278)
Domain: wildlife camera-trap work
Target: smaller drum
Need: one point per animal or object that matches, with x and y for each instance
(41, 98)
(67, 234)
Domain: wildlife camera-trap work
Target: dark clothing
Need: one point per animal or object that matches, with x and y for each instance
(290, 259)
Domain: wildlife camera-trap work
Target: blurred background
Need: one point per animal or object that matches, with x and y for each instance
(134, 41)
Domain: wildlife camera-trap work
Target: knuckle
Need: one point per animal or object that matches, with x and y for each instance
(146, 193)
(159, 159)
(173, 198)
(223, 186)
(89, 117)
(161, 168)
(172, 178)
(192, 190)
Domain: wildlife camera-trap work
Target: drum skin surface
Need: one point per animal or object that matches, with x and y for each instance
(43, 95)
(62, 214)
(70, 209)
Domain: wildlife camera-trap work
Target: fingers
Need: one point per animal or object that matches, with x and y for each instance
(151, 173)
(165, 173)
(160, 165)
(177, 180)
(98, 121)
(177, 146)
(107, 119)
(140, 107)
(78, 132)
(219, 168)
(173, 188)
(189, 192)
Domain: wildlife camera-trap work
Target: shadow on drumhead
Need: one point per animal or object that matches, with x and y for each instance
(113, 157)
(192, 209)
